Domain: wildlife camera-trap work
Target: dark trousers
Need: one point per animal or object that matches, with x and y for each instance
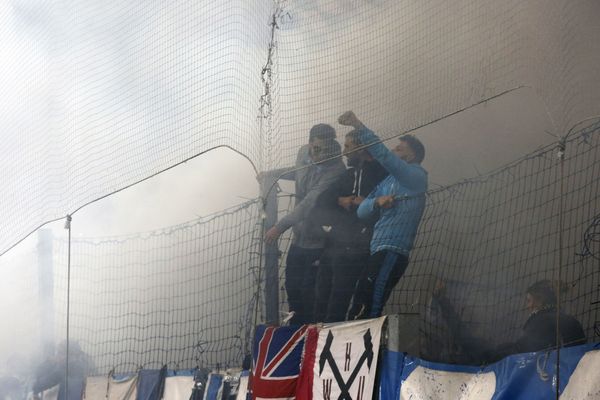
(300, 275)
(339, 270)
(384, 270)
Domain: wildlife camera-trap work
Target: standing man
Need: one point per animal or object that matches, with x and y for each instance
(312, 175)
(400, 201)
(348, 236)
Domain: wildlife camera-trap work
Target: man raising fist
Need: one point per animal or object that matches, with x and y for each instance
(400, 201)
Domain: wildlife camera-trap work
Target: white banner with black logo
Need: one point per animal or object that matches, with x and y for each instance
(346, 360)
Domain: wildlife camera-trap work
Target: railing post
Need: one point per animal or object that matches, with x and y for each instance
(271, 257)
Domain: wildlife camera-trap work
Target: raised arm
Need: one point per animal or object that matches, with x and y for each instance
(411, 176)
(287, 173)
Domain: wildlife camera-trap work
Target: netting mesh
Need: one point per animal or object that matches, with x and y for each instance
(100, 96)
(405, 64)
(487, 239)
(492, 238)
(183, 296)
(111, 94)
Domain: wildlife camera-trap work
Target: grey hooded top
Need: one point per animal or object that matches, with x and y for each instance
(311, 180)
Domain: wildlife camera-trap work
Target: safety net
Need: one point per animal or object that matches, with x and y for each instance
(101, 96)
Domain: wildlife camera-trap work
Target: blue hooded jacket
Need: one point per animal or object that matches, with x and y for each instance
(397, 226)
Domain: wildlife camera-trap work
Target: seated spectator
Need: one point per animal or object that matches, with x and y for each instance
(539, 331)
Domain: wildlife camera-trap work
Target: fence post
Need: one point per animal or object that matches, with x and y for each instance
(46, 290)
(268, 191)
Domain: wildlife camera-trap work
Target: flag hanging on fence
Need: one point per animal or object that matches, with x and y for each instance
(113, 387)
(242, 389)
(151, 383)
(179, 387)
(517, 377)
(214, 387)
(346, 360)
(276, 360)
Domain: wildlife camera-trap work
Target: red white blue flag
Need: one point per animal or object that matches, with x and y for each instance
(277, 357)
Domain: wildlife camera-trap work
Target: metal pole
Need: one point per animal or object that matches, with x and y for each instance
(68, 227)
(271, 256)
(561, 157)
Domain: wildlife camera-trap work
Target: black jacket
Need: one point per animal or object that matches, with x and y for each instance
(539, 332)
(344, 228)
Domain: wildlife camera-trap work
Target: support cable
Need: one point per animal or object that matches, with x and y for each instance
(127, 187)
(433, 121)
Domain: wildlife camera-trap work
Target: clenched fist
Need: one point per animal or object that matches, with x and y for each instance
(349, 119)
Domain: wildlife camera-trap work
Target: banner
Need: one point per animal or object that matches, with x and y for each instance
(346, 360)
(50, 394)
(179, 387)
(232, 383)
(242, 390)
(115, 387)
(524, 376)
(151, 383)
(214, 387)
(276, 359)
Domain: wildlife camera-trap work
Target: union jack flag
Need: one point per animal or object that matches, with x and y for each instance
(276, 356)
